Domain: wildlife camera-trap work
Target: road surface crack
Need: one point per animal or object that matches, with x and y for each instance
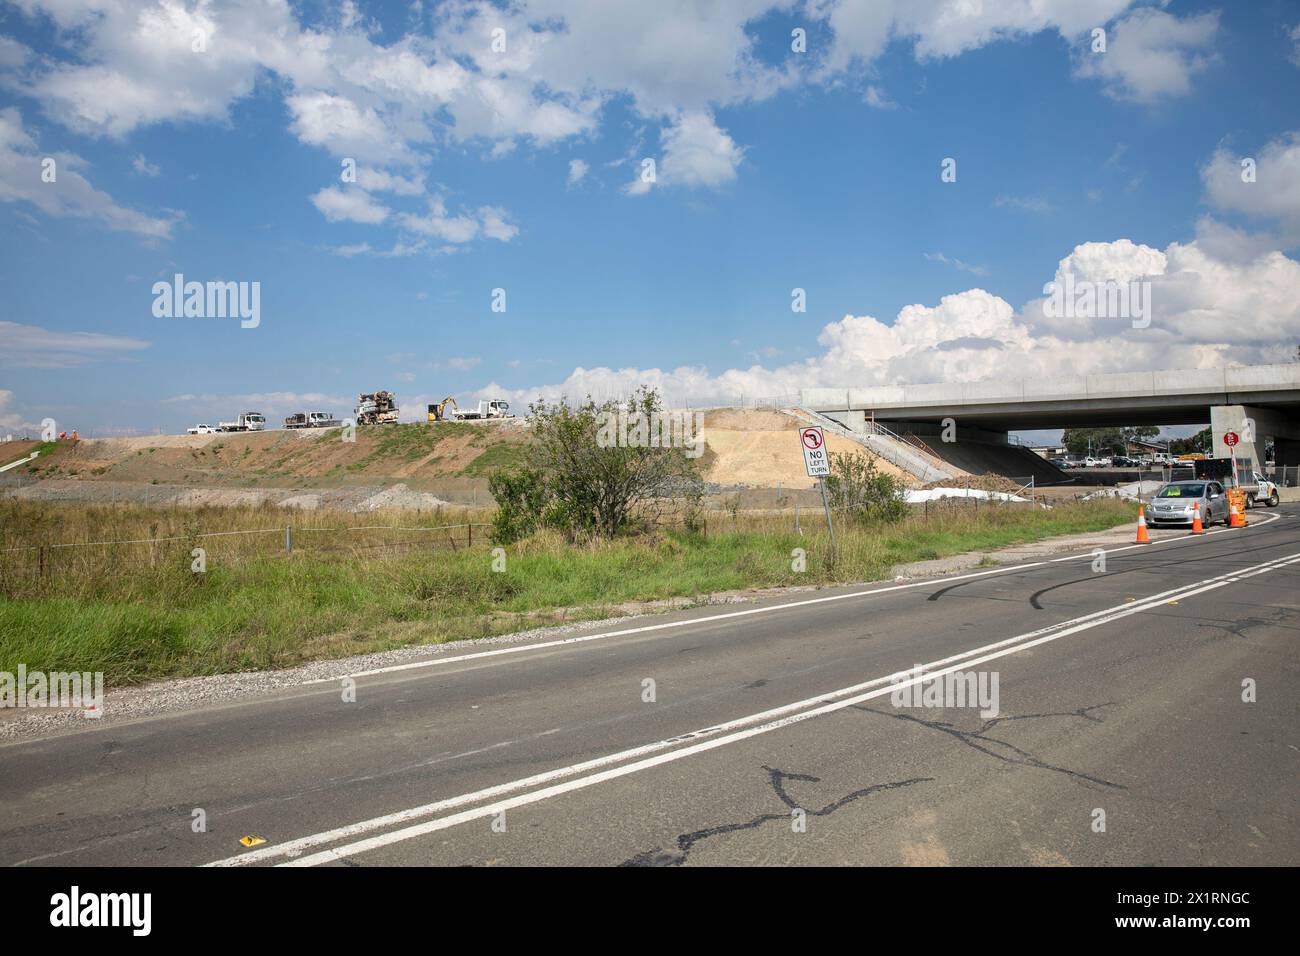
(979, 740)
(686, 842)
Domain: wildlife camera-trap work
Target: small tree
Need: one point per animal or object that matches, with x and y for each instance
(859, 490)
(594, 469)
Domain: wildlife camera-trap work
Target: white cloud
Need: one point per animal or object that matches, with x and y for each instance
(956, 263)
(1151, 54)
(1275, 193)
(1207, 310)
(696, 152)
(11, 420)
(30, 346)
(876, 98)
(144, 167)
(490, 222)
(70, 194)
(349, 205)
(945, 28)
(577, 171)
(379, 181)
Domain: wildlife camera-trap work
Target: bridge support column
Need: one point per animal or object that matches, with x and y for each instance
(856, 419)
(1254, 426)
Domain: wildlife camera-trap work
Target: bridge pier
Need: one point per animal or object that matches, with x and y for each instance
(1254, 425)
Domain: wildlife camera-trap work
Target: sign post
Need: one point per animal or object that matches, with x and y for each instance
(816, 461)
(1230, 439)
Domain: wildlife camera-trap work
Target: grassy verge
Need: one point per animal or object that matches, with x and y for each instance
(138, 613)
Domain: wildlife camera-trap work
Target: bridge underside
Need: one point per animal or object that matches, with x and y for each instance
(1085, 413)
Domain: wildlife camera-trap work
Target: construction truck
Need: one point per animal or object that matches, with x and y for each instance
(493, 409)
(438, 412)
(246, 422)
(376, 408)
(1240, 473)
(311, 420)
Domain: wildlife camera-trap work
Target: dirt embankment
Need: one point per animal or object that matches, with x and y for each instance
(760, 448)
(422, 464)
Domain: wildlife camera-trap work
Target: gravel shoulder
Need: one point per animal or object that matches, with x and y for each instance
(171, 696)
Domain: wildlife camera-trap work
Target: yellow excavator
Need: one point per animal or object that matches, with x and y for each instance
(438, 412)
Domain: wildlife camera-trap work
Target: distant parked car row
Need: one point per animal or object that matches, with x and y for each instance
(1114, 461)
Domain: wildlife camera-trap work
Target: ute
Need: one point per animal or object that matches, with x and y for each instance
(376, 408)
(1242, 472)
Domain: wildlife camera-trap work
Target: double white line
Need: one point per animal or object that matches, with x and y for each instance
(591, 772)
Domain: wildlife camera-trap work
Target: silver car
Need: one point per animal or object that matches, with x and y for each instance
(1175, 503)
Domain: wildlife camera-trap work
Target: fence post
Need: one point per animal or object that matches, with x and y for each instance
(288, 540)
(471, 535)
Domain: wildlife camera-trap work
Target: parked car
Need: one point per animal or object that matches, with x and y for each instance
(1175, 503)
(202, 430)
(1061, 463)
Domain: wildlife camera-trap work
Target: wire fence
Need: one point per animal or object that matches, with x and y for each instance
(54, 560)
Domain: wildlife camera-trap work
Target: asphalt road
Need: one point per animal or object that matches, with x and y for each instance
(769, 737)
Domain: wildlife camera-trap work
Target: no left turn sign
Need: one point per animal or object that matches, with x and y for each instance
(813, 443)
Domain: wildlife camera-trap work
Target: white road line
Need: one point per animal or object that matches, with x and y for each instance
(767, 721)
(667, 625)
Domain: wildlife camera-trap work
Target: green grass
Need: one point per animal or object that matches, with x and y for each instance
(138, 613)
(501, 455)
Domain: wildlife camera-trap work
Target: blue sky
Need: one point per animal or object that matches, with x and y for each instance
(483, 169)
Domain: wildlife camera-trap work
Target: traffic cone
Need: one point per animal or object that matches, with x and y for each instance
(1143, 537)
(1235, 520)
(1197, 527)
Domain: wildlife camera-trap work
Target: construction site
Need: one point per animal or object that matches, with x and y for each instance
(751, 460)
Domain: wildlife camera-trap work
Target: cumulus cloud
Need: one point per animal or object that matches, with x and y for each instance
(1152, 54)
(70, 193)
(698, 153)
(577, 171)
(11, 420)
(1209, 308)
(677, 62)
(1274, 192)
(30, 346)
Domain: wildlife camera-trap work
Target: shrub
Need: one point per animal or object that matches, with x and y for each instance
(583, 478)
(861, 491)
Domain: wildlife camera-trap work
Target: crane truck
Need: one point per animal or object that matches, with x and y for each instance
(376, 408)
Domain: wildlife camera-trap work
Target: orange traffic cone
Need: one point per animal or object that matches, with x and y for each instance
(1235, 519)
(1143, 537)
(1197, 527)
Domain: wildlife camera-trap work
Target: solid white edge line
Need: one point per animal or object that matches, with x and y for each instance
(1096, 617)
(443, 823)
(667, 625)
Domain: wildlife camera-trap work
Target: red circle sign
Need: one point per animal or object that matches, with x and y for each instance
(812, 439)
(1230, 439)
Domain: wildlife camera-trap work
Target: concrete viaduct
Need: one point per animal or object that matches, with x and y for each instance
(1258, 402)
